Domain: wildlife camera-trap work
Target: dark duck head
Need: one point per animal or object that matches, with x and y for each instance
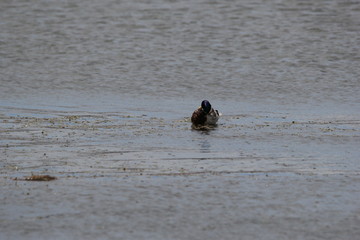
(206, 106)
(205, 115)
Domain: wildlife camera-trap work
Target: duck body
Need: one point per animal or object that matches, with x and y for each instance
(205, 115)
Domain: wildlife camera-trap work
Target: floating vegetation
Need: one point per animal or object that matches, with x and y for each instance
(37, 178)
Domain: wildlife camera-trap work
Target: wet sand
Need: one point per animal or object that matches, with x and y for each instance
(140, 175)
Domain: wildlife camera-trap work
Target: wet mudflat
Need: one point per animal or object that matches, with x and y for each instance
(148, 175)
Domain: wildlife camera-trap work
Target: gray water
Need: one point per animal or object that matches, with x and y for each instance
(99, 95)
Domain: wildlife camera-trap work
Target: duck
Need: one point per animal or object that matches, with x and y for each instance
(205, 115)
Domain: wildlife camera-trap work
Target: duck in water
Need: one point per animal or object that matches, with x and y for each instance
(205, 115)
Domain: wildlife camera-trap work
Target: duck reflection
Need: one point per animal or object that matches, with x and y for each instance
(205, 146)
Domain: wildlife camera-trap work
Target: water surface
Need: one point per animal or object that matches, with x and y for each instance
(99, 95)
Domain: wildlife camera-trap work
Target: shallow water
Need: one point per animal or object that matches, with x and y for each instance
(99, 95)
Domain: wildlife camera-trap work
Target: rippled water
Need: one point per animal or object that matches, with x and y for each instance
(99, 94)
(263, 51)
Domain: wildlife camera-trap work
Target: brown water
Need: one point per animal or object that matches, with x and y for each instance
(99, 94)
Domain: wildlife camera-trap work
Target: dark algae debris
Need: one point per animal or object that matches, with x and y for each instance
(37, 178)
